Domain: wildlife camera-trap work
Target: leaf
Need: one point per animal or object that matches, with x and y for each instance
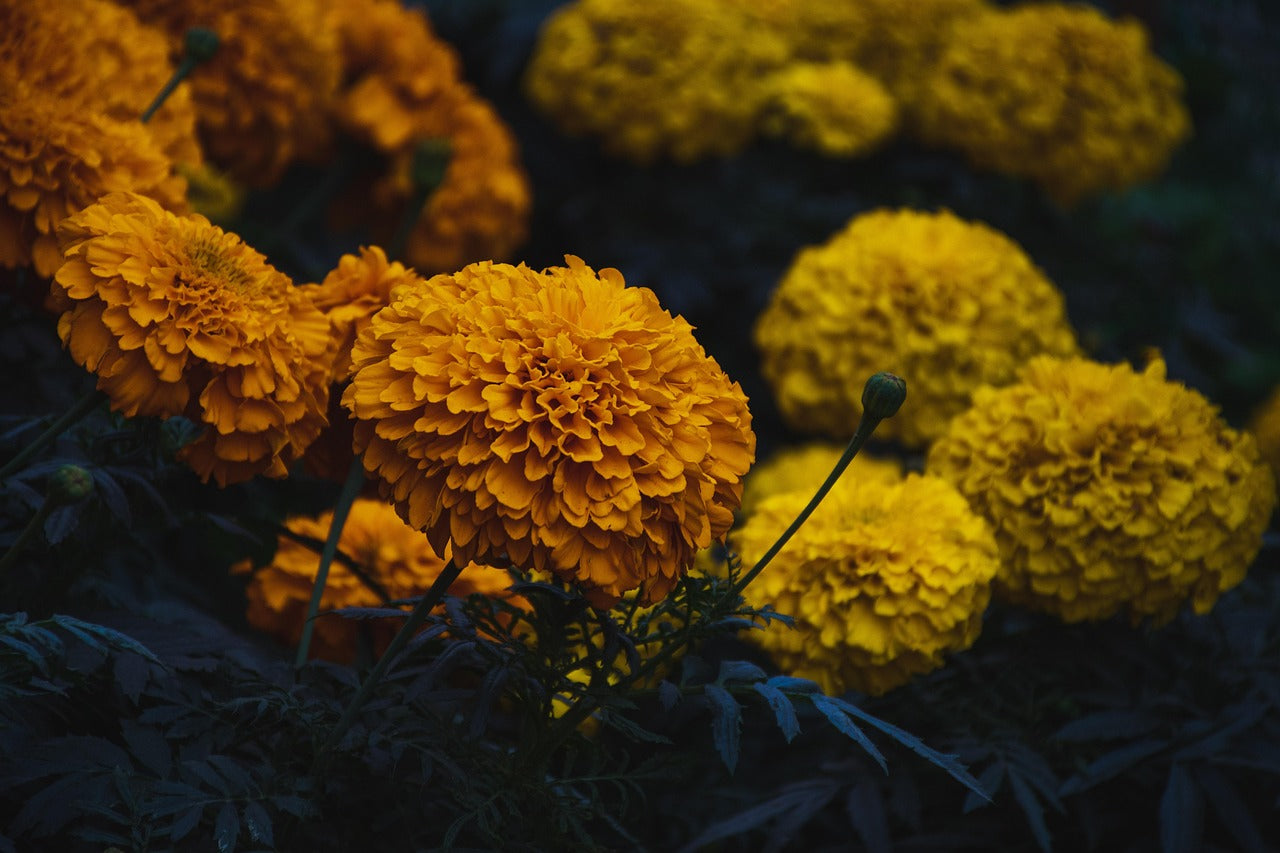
(131, 675)
(833, 711)
(61, 523)
(51, 808)
(148, 746)
(226, 828)
(865, 807)
(947, 763)
(1112, 764)
(113, 496)
(1229, 806)
(790, 822)
(1181, 813)
(783, 710)
(726, 724)
(87, 631)
(739, 670)
(259, 823)
(182, 827)
(791, 797)
(990, 780)
(1031, 807)
(295, 805)
(631, 729)
(668, 694)
(1105, 725)
(788, 684)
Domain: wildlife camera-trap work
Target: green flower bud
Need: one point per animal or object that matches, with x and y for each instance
(430, 159)
(201, 43)
(69, 484)
(882, 396)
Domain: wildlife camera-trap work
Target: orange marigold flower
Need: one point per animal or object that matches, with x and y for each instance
(395, 560)
(57, 156)
(263, 99)
(558, 419)
(1110, 491)
(178, 317)
(884, 579)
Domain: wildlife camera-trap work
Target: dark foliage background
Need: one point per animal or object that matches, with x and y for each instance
(137, 710)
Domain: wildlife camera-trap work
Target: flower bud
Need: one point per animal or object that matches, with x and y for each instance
(200, 43)
(882, 396)
(69, 484)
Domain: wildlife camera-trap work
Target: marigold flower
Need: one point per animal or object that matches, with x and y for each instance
(945, 303)
(1265, 426)
(1059, 94)
(1110, 490)
(665, 78)
(805, 468)
(397, 559)
(832, 108)
(885, 578)
(263, 99)
(558, 419)
(178, 317)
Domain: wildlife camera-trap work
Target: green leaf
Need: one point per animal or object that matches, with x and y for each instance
(1031, 807)
(726, 724)
(832, 710)
(632, 730)
(1181, 813)
(739, 670)
(783, 710)
(226, 828)
(259, 823)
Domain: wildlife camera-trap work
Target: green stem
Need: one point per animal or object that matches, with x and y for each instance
(350, 488)
(82, 407)
(37, 520)
(200, 44)
(429, 163)
(865, 427)
(425, 605)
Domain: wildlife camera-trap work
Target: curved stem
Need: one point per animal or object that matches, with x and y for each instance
(11, 556)
(350, 488)
(82, 407)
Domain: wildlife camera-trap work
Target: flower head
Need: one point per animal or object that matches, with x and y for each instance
(885, 578)
(1057, 93)
(664, 78)
(556, 419)
(804, 468)
(392, 561)
(1109, 490)
(947, 304)
(178, 317)
(831, 107)
(1265, 426)
(263, 98)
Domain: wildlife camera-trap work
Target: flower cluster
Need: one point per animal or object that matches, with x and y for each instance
(885, 578)
(556, 419)
(1265, 426)
(381, 560)
(401, 86)
(830, 107)
(1057, 93)
(263, 99)
(667, 78)
(75, 75)
(949, 305)
(1110, 490)
(805, 468)
(178, 317)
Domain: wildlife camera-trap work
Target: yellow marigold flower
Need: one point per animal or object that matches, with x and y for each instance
(664, 78)
(178, 317)
(1059, 94)
(805, 468)
(558, 418)
(1265, 426)
(832, 108)
(57, 156)
(885, 578)
(947, 304)
(395, 557)
(1110, 490)
(263, 99)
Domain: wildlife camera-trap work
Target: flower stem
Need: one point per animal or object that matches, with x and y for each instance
(201, 44)
(350, 488)
(430, 160)
(37, 520)
(82, 407)
(419, 615)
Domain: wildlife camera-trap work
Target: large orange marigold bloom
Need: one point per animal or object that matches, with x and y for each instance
(558, 419)
(178, 317)
(397, 563)
(263, 99)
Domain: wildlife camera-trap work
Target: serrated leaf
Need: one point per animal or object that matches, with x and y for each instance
(739, 670)
(295, 805)
(1032, 809)
(87, 631)
(832, 710)
(226, 828)
(783, 711)
(1111, 765)
(61, 523)
(990, 779)
(668, 694)
(632, 730)
(789, 684)
(790, 822)
(744, 821)
(131, 674)
(1181, 813)
(258, 821)
(113, 496)
(726, 724)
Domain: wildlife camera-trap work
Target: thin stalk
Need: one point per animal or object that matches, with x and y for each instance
(350, 488)
(425, 605)
(200, 45)
(11, 556)
(82, 407)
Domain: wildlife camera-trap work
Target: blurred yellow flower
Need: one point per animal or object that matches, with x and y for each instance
(947, 304)
(884, 579)
(1110, 490)
(558, 419)
(805, 468)
(1265, 426)
(397, 559)
(178, 317)
(832, 108)
(1057, 93)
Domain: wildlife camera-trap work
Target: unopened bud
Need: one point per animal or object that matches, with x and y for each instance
(69, 484)
(882, 396)
(200, 43)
